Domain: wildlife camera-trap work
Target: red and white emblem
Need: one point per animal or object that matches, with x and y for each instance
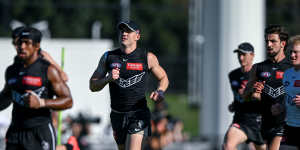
(134, 66)
(32, 81)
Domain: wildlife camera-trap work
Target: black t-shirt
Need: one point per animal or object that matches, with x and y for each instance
(128, 92)
(34, 77)
(245, 111)
(273, 92)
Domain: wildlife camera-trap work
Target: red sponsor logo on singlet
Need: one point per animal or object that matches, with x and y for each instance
(33, 81)
(279, 74)
(134, 66)
(297, 83)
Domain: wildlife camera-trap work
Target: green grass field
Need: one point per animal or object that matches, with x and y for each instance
(178, 107)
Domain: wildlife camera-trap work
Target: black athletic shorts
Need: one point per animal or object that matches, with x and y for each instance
(38, 138)
(250, 124)
(124, 123)
(253, 133)
(269, 133)
(291, 136)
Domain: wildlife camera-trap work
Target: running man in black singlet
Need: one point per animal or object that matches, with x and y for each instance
(45, 55)
(31, 84)
(246, 124)
(125, 70)
(265, 85)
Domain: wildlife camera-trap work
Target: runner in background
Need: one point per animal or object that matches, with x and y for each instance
(246, 124)
(265, 85)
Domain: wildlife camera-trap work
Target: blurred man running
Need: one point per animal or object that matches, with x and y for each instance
(246, 121)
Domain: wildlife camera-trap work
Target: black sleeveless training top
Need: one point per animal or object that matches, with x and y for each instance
(237, 79)
(128, 92)
(273, 92)
(34, 77)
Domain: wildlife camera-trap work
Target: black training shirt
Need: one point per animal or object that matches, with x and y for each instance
(238, 78)
(246, 112)
(128, 92)
(273, 92)
(33, 77)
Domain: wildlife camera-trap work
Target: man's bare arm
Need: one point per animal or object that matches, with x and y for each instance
(63, 98)
(160, 75)
(158, 72)
(250, 91)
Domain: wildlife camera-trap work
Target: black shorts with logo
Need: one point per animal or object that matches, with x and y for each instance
(269, 133)
(250, 124)
(291, 136)
(38, 138)
(132, 122)
(253, 135)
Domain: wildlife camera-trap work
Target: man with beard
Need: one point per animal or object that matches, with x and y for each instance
(42, 53)
(265, 85)
(31, 84)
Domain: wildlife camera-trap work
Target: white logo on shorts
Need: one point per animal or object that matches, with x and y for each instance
(45, 145)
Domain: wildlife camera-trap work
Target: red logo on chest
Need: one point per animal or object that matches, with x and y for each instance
(32, 81)
(134, 66)
(297, 83)
(279, 74)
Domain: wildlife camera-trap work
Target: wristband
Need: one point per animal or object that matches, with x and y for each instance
(160, 95)
(42, 102)
(108, 77)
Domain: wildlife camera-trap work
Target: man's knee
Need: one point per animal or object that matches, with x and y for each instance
(261, 147)
(229, 146)
(121, 146)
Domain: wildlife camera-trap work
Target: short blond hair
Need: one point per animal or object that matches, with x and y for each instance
(294, 40)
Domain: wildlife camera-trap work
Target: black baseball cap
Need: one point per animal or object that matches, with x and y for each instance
(130, 25)
(31, 33)
(244, 48)
(16, 32)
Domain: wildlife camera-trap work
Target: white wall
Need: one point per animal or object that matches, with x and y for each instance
(81, 59)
